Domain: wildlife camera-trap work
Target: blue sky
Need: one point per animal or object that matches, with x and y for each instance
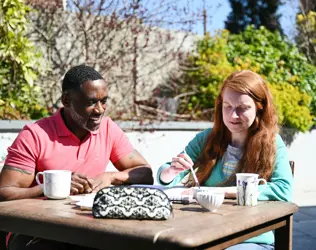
(218, 11)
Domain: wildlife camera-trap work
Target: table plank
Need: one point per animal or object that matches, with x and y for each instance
(190, 227)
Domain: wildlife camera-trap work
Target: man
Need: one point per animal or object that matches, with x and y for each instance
(76, 138)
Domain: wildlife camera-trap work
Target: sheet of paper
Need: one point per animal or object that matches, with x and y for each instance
(177, 193)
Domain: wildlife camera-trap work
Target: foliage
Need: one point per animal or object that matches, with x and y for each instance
(306, 38)
(292, 106)
(290, 77)
(18, 64)
(255, 12)
(278, 60)
(209, 68)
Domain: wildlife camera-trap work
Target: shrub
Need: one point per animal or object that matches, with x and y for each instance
(292, 106)
(208, 67)
(19, 65)
(277, 60)
(287, 72)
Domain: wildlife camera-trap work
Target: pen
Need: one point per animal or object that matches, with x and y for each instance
(193, 173)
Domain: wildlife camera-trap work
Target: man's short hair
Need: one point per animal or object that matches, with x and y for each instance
(78, 75)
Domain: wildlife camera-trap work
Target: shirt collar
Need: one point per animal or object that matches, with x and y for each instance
(61, 127)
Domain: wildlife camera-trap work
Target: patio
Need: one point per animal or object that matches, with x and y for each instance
(304, 232)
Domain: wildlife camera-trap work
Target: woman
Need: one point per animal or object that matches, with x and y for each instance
(244, 138)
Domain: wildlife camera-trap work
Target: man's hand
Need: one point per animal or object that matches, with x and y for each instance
(104, 180)
(81, 184)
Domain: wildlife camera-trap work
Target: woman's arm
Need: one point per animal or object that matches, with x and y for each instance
(172, 173)
(281, 184)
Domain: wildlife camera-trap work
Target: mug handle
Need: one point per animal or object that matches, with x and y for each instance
(265, 185)
(37, 179)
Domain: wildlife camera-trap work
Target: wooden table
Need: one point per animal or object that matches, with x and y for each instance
(191, 227)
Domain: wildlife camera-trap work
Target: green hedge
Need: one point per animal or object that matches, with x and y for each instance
(291, 78)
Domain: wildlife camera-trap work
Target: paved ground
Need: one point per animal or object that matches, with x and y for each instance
(304, 230)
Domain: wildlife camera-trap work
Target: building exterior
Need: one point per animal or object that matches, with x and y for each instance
(45, 4)
(132, 62)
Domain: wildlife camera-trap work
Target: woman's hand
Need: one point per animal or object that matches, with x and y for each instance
(231, 192)
(179, 164)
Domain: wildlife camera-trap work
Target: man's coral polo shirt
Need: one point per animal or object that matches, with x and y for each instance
(49, 144)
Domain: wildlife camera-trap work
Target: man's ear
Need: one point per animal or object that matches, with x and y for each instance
(65, 99)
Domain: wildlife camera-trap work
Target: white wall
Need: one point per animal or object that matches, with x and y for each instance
(303, 152)
(160, 146)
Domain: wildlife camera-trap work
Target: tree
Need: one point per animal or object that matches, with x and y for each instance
(19, 64)
(255, 12)
(306, 27)
(124, 40)
(307, 5)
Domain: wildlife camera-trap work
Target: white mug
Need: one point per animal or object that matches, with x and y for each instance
(56, 183)
(247, 189)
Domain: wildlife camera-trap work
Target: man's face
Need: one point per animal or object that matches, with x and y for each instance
(88, 104)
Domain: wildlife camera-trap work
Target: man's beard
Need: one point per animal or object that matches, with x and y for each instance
(81, 122)
(78, 118)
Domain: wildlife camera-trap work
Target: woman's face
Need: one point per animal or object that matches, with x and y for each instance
(239, 112)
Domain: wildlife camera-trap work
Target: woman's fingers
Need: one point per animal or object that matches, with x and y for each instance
(230, 195)
(186, 157)
(231, 192)
(180, 162)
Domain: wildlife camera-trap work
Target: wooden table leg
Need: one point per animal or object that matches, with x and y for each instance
(3, 236)
(283, 235)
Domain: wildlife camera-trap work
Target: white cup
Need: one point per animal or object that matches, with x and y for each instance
(56, 183)
(247, 189)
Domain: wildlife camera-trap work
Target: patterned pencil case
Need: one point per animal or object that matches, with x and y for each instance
(125, 202)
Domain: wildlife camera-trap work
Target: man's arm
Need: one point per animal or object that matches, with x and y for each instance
(133, 169)
(15, 184)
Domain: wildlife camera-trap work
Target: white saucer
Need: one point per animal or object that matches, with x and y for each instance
(82, 197)
(86, 204)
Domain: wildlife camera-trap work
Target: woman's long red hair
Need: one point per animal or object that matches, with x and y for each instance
(259, 149)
